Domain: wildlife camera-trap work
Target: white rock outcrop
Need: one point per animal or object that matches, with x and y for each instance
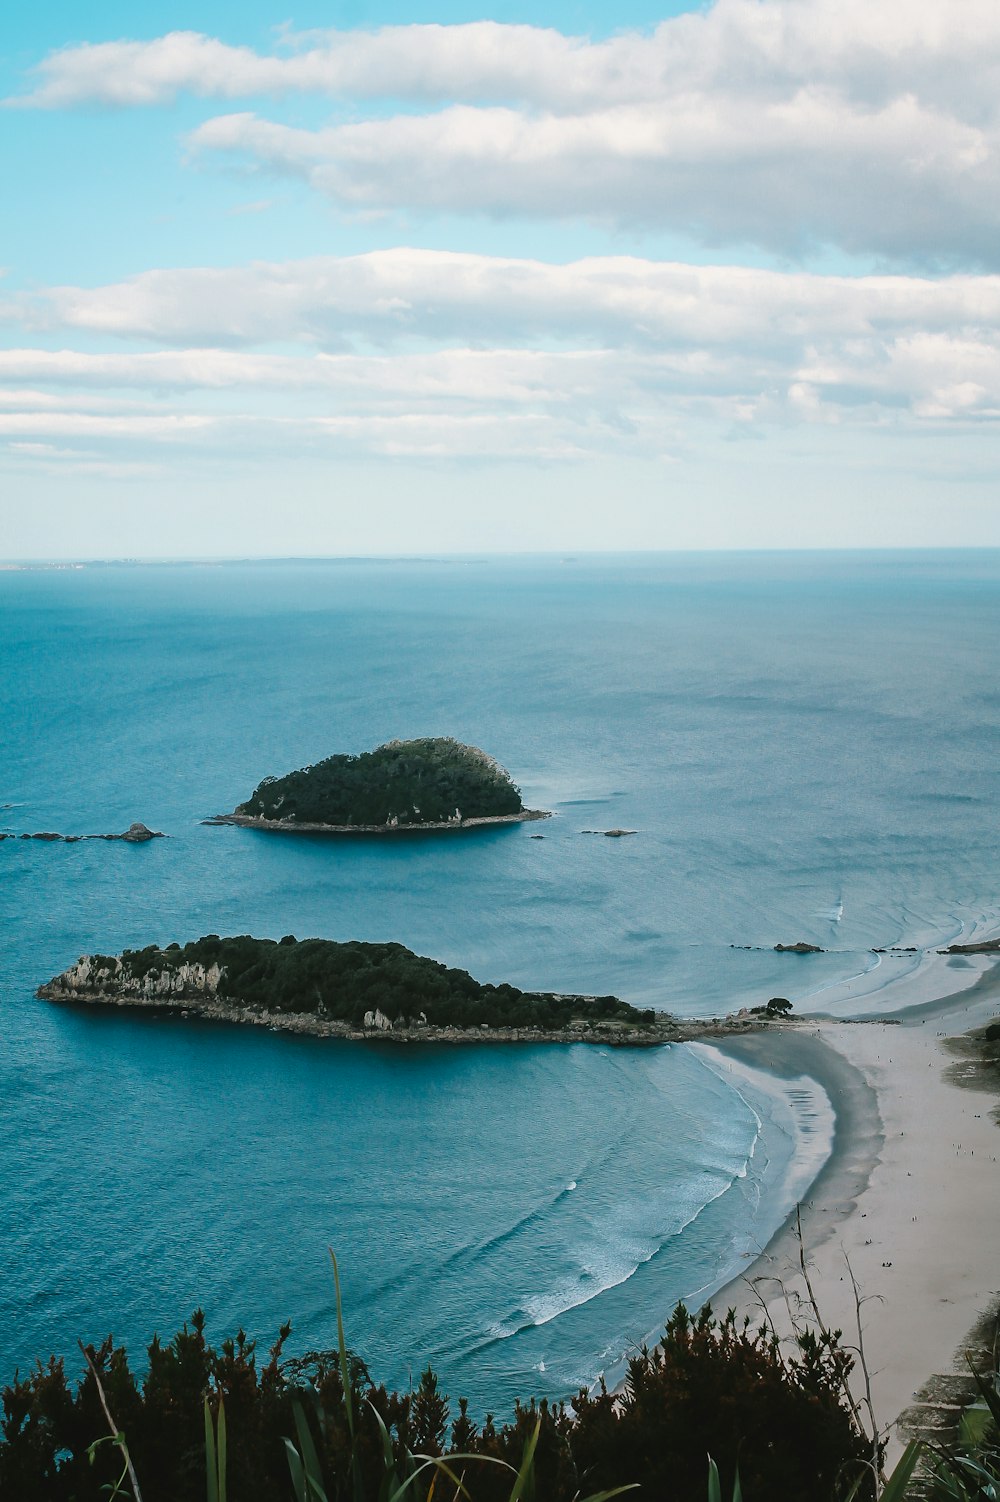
(377, 1022)
(113, 975)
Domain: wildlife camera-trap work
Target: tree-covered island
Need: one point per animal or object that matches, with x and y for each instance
(432, 783)
(347, 990)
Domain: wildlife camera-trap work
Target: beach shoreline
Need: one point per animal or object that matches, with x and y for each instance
(908, 1196)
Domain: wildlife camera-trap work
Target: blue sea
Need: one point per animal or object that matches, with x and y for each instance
(806, 745)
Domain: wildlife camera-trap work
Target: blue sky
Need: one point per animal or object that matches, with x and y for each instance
(384, 278)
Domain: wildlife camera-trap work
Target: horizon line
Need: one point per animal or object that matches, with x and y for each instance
(568, 555)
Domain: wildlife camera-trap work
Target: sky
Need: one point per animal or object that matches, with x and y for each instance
(385, 278)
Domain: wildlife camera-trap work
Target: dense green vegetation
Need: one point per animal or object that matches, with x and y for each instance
(715, 1388)
(403, 782)
(341, 982)
(969, 1470)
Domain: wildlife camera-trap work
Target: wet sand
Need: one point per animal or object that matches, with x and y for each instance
(910, 1194)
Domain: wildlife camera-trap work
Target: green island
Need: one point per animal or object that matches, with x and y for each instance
(348, 990)
(431, 783)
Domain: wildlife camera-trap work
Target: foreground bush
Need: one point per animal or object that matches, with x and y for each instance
(714, 1387)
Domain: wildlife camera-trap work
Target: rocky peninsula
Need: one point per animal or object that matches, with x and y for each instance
(361, 991)
(435, 783)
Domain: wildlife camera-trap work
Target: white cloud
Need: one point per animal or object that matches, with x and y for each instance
(502, 376)
(428, 434)
(46, 451)
(943, 53)
(786, 123)
(34, 400)
(60, 460)
(87, 424)
(597, 356)
(422, 62)
(901, 180)
(407, 297)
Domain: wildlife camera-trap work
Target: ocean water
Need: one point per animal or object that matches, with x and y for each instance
(807, 746)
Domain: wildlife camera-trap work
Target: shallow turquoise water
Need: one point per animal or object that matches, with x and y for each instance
(807, 746)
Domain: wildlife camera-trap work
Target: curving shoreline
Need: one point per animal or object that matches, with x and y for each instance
(909, 1196)
(901, 1193)
(284, 826)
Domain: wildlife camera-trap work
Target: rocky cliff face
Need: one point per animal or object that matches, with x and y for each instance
(97, 975)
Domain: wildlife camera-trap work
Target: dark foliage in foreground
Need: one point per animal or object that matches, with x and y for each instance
(342, 982)
(715, 1386)
(409, 782)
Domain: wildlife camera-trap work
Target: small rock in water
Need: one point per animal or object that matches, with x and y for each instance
(616, 834)
(136, 834)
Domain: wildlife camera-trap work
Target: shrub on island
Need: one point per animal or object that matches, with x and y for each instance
(416, 782)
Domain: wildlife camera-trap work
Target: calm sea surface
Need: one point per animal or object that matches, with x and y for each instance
(807, 746)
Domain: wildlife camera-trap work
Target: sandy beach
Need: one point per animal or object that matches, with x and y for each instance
(910, 1194)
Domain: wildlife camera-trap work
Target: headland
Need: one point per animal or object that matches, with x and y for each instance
(357, 991)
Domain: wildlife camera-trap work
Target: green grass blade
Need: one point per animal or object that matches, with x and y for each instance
(402, 1487)
(856, 1487)
(443, 1467)
(297, 1472)
(345, 1374)
(714, 1484)
(221, 1450)
(345, 1377)
(211, 1461)
(390, 1481)
(990, 1393)
(895, 1487)
(307, 1449)
(524, 1476)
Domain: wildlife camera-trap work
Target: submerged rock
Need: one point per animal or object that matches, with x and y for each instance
(135, 834)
